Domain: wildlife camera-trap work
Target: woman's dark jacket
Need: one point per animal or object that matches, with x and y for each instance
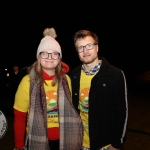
(108, 108)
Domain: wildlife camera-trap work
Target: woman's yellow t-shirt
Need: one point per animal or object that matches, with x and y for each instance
(22, 99)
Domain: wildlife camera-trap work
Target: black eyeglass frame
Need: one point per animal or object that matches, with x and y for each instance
(85, 47)
(49, 54)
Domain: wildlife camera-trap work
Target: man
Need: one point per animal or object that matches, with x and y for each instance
(99, 94)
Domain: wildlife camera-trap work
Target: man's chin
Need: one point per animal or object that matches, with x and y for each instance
(87, 62)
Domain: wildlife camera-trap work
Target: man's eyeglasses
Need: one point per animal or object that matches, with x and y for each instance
(87, 46)
(45, 55)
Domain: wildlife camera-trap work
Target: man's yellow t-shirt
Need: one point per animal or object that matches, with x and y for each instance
(85, 83)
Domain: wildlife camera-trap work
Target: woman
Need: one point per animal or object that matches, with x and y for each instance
(43, 107)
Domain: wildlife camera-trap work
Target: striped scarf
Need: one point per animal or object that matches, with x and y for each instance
(71, 129)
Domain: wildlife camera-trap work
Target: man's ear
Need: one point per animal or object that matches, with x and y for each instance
(97, 48)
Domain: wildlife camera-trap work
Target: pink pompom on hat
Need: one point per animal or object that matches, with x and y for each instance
(49, 42)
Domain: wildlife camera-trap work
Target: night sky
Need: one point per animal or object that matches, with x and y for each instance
(122, 30)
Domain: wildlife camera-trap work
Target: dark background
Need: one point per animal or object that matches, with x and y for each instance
(122, 29)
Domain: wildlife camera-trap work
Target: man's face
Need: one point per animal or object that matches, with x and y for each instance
(87, 56)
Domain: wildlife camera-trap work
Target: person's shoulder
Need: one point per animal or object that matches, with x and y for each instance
(26, 78)
(75, 70)
(116, 72)
(111, 66)
(67, 76)
(115, 68)
(25, 82)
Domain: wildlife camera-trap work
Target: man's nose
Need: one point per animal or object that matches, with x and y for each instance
(85, 49)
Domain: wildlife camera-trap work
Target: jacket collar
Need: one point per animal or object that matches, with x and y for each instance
(104, 69)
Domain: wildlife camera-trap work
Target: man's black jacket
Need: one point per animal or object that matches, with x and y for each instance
(108, 107)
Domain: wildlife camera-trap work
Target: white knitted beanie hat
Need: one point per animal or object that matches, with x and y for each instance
(49, 42)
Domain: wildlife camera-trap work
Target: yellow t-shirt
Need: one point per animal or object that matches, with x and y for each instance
(22, 99)
(85, 83)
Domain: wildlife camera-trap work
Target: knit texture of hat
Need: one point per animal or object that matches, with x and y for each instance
(49, 42)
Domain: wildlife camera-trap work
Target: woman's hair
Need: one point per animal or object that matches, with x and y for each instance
(83, 34)
(39, 73)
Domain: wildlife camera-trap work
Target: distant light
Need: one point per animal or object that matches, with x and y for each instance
(7, 74)
(5, 69)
